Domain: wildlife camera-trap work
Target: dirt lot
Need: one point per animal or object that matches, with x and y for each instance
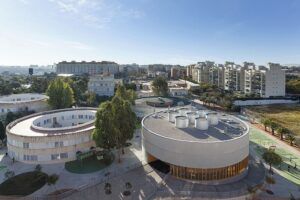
(285, 115)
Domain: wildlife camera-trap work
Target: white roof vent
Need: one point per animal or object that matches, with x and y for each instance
(201, 123)
(171, 115)
(212, 118)
(181, 122)
(192, 116)
(183, 111)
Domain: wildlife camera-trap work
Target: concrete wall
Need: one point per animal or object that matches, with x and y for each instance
(195, 154)
(23, 102)
(263, 102)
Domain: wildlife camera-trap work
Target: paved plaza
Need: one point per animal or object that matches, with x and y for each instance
(148, 183)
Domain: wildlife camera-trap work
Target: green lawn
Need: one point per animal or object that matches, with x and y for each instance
(261, 143)
(88, 165)
(23, 184)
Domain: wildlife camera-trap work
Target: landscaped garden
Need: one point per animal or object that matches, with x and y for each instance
(23, 184)
(89, 164)
(290, 166)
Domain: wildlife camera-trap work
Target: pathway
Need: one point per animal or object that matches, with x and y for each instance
(287, 180)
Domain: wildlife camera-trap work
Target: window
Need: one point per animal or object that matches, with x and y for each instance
(59, 144)
(30, 157)
(54, 156)
(63, 155)
(25, 145)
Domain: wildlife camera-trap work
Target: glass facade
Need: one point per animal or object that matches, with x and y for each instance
(209, 174)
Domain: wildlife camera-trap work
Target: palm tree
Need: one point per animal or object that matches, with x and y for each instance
(290, 138)
(272, 158)
(282, 131)
(266, 122)
(273, 126)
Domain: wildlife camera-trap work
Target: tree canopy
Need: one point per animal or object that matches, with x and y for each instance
(126, 94)
(160, 86)
(293, 86)
(60, 94)
(2, 131)
(271, 158)
(115, 124)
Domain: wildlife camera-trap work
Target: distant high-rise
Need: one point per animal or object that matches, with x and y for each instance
(91, 68)
(247, 79)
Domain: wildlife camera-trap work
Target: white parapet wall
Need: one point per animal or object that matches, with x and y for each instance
(264, 102)
(52, 136)
(23, 102)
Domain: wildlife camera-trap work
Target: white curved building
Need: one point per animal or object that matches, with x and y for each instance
(214, 154)
(23, 102)
(52, 136)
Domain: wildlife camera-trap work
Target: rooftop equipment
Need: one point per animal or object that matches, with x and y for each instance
(181, 121)
(183, 111)
(172, 114)
(192, 116)
(201, 123)
(212, 118)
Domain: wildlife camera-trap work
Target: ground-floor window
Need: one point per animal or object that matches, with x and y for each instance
(209, 174)
(30, 157)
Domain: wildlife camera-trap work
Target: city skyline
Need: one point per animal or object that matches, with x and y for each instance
(147, 32)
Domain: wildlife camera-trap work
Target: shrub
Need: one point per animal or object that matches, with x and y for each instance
(38, 168)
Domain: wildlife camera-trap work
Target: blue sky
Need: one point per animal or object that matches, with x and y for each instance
(149, 31)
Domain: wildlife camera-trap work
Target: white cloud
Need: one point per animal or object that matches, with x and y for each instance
(96, 13)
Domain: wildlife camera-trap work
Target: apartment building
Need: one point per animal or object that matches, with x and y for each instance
(178, 72)
(274, 80)
(102, 85)
(248, 79)
(91, 68)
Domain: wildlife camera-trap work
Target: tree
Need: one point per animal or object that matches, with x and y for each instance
(105, 130)
(115, 124)
(91, 98)
(2, 131)
(271, 158)
(273, 126)
(160, 86)
(39, 84)
(266, 122)
(282, 131)
(10, 116)
(128, 95)
(60, 94)
(290, 138)
(125, 121)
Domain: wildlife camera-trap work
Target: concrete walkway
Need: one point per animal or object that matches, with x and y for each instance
(177, 188)
(144, 181)
(283, 188)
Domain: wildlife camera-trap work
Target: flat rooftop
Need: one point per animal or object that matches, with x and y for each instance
(228, 128)
(24, 128)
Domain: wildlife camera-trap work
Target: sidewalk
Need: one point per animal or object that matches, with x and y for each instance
(280, 142)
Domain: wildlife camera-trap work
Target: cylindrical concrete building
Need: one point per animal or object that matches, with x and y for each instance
(52, 136)
(210, 155)
(23, 102)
